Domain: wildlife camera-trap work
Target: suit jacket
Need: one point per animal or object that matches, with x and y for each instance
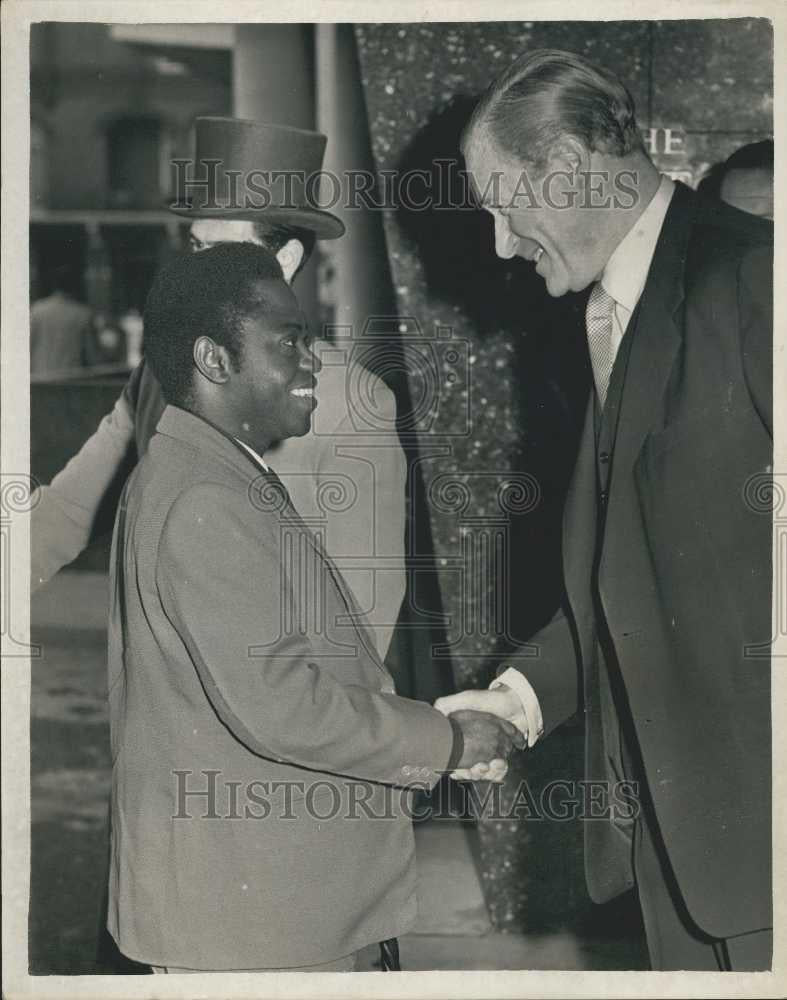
(346, 476)
(680, 574)
(227, 670)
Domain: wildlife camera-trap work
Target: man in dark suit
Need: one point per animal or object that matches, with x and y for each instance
(262, 763)
(667, 538)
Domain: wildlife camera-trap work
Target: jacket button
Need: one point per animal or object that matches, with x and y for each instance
(604, 457)
(604, 496)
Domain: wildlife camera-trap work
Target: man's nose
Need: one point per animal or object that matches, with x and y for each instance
(310, 359)
(505, 241)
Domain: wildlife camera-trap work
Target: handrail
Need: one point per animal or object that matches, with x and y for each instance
(83, 374)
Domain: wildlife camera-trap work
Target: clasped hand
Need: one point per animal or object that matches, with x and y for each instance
(486, 721)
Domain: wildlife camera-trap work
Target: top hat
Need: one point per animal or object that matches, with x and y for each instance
(256, 171)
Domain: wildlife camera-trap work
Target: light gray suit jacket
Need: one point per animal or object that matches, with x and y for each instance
(238, 660)
(346, 477)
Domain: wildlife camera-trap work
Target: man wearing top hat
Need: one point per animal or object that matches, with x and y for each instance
(365, 465)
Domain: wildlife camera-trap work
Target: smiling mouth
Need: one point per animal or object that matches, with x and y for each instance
(305, 393)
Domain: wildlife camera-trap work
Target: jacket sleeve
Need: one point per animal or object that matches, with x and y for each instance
(553, 672)
(755, 318)
(64, 513)
(222, 585)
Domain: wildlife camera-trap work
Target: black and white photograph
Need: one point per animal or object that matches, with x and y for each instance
(393, 545)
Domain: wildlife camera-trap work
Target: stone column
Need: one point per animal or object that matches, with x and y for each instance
(273, 81)
(363, 282)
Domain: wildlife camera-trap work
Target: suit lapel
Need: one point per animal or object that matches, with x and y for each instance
(280, 501)
(580, 523)
(656, 337)
(269, 495)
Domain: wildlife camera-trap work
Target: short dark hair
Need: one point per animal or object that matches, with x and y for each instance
(753, 156)
(201, 294)
(549, 93)
(274, 236)
(711, 181)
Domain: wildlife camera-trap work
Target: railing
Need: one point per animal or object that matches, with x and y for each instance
(81, 374)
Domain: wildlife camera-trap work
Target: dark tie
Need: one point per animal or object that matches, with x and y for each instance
(389, 955)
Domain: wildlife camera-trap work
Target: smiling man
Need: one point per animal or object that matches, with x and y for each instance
(666, 546)
(566, 204)
(261, 814)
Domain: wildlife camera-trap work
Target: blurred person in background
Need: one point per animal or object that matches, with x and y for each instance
(62, 332)
(744, 180)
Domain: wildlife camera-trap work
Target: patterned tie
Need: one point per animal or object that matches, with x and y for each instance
(598, 319)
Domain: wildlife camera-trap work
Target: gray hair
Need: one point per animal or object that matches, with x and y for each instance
(547, 94)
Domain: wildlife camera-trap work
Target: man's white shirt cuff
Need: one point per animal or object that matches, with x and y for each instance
(530, 720)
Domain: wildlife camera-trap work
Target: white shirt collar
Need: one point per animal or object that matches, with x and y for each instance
(257, 458)
(627, 269)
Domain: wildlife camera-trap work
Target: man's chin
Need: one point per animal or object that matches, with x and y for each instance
(558, 287)
(555, 288)
(302, 429)
(294, 431)
(556, 284)
(302, 417)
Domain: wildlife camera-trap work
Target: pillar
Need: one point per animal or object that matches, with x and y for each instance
(363, 282)
(273, 81)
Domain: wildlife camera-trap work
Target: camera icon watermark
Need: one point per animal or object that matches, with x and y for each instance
(434, 362)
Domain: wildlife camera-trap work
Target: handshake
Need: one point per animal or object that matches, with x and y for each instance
(492, 724)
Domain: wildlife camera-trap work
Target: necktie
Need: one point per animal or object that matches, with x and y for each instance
(389, 956)
(598, 319)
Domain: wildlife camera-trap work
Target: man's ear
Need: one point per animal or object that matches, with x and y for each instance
(290, 257)
(212, 360)
(569, 154)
